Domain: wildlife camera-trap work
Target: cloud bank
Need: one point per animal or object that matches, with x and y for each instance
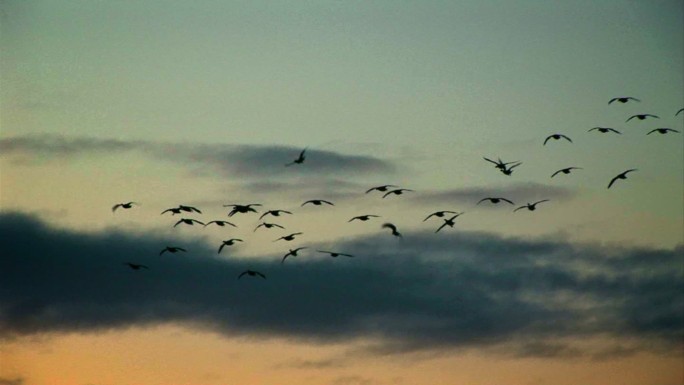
(427, 291)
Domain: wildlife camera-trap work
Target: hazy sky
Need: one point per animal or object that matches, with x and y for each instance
(203, 103)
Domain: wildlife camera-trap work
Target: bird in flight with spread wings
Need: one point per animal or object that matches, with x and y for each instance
(392, 227)
(268, 225)
(242, 208)
(605, 129)
(449, 222)
(398, 191)
(188, 221)
(275, 213)
(292, 253)
(126, 205)
(623, 99)
(382, 188)
(557, 137)
(172, 249)
(288, 238)
(565, 170)
(228, 242)
(252, 273)
(299, 159)
(439, 214)
(531, 206)
(622, 175)
(642, 117)
(318, 202)
(495, 200)
(135, 266)
(499, 164)
(662, 131)
(335, 254)
(364, 218)
(220, 223)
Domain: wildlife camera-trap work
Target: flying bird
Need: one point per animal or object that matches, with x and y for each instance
(565, 170)
(126, 205)
(228, 242)
(288, 237)
(449, 222)
(439, 214)
(494, 200)
(335, 254)
(662, 131)
(679, 112)
(268, 225)
(292, 253)
(622, 175)
(173, 210)
(605, 129)
(172, 249)
(557, 137)
(189, 209)
(501, 165)
(188, 221)
(393, 228)
(220, 223)
(623, 99)
(382, 188)
(299, 160)
(642, 117)
(275, 213)
(398, 191)
(242, 208)
(318, 202)
(531, 206)
(135, 266)
(252, 273)
(364, 218)
(509, 170)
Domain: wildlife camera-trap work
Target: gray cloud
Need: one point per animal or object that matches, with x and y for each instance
(11, 381)
(518, 192)
(424, 292)
(202, 159)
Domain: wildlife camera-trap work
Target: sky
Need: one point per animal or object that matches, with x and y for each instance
(164, 103)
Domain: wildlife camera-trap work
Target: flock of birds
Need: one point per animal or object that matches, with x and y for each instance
(448, 217)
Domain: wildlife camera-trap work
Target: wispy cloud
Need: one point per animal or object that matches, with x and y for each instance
(227, 159)
(421, 293)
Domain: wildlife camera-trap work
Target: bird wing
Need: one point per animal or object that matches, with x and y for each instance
(630, 118)
(521, 207)
(389, 226)
(635, 99)
(196, 221)
(328, 202)
(554, 174)
(547, 139)
(652, 131)
(221, 248)
(241, 274)
(612, 100)
(483, 199)
(653, 116)
(613, 180)
(260, 275)
(116, 206)
(389, 192)
(162, 252)
(679, 112)
(440, 227)
(569, 140)
(428, 217)
(489, 160)
(543, 200)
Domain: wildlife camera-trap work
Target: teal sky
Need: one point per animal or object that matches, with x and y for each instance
(202, 103)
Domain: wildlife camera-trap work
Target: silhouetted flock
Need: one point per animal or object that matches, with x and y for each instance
(387, 190)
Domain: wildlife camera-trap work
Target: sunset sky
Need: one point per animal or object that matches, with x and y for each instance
(204, 103)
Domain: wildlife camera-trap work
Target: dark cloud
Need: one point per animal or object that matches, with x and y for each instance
(11, 381)
(520, 193)
(202, 159)
(421, 293)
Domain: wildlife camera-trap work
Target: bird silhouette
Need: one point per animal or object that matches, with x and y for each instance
(494, 200)
(398, 191)
(623, 99)
(275, 213)
(173, 210)
(135, 266)
(605, 129)
(393, 228)
(288, 237)
(622, 175)
(126, 205)
(228, 242)
(382, 188)
(268, 225)
(509, 170)
(642, 117)
(252, 273)
(189, 209)
(318, 202)
(557, 137)
(292, 253)
(501, 165)
(335, 254)
(220, 223)
(531, 206)
(172, 249)
(565, 170)
(188, 221)
(364, 218)
(449, 222)
(242, 208)
(299, 159)
(661, 131)
(439, 214)
(679, 112)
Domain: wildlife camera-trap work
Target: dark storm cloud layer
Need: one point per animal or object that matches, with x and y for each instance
(242, 160)
(426, 291)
